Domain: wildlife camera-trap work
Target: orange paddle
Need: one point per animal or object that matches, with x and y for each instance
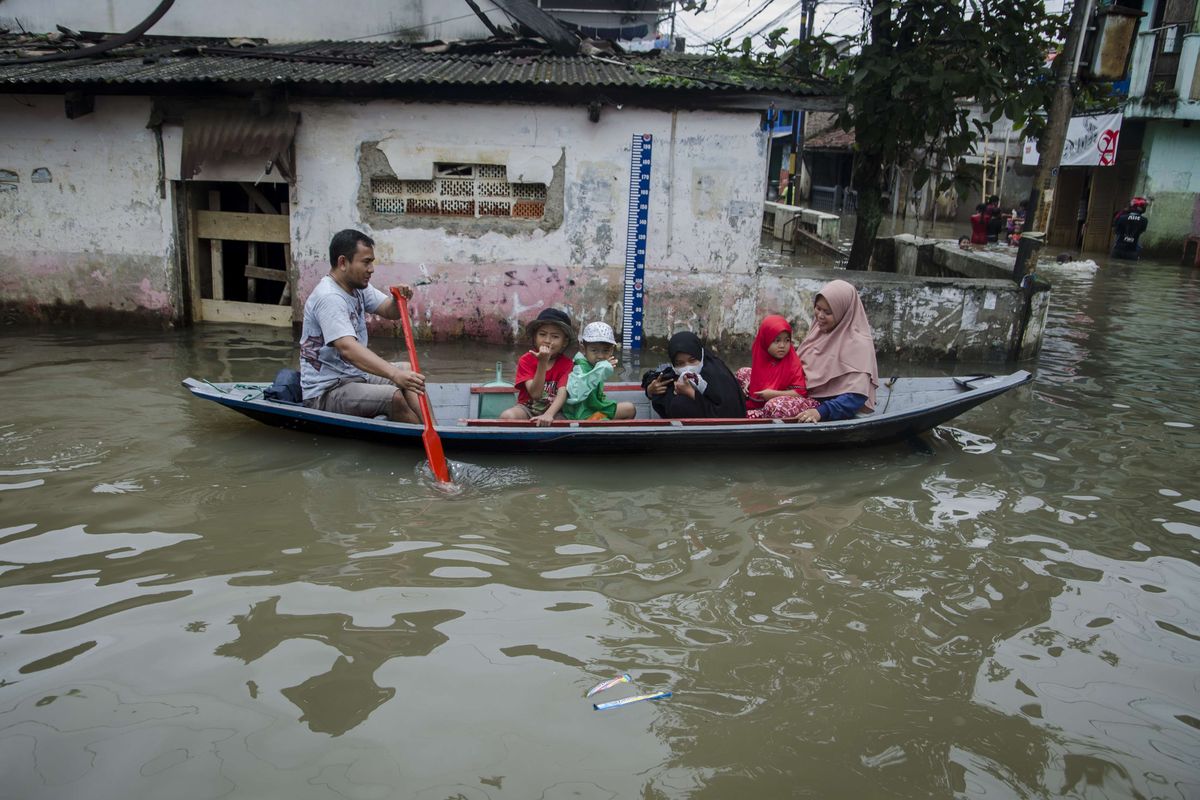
(432, 442)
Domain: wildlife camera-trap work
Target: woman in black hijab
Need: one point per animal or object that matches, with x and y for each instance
(703, 387)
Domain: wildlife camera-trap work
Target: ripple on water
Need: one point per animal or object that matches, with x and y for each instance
(952, 622)
(1080, 664)
(471, 481)
(75, 541)
(118, 487)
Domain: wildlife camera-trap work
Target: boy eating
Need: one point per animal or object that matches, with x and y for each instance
(542, 372)
(594, 364)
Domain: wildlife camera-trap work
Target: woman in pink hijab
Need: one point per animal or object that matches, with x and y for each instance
(839, 356)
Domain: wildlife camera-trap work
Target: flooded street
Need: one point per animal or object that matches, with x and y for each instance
(196, 605)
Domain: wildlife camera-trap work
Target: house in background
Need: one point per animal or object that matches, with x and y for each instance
(184, 178)
(1157, 89)
(829, 161)
(1164, 111)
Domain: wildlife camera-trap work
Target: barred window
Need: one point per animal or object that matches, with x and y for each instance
(461, 190)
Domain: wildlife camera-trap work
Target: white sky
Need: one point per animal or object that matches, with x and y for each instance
(756, 18)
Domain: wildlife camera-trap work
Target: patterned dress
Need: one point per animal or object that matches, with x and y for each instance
(776, 407)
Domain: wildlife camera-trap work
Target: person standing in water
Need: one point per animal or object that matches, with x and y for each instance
(1130, 224)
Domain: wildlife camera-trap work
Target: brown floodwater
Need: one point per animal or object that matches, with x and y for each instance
(195, 605)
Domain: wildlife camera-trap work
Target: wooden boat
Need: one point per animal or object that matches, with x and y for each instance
(905, 407)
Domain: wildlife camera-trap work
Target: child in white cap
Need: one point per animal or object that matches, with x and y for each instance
(594, 364)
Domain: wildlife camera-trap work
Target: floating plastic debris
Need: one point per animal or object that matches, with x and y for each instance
(608, 684)
(888, 758)
(624, 701)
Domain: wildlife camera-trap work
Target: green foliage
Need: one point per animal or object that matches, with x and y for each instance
(1091, 98)
(1160, 94)
(923, 63)
(910, 80)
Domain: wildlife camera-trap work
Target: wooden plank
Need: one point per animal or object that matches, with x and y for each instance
(262, 273)
(259, 199)
(285, 297)
(635, 423)
(190, 198)
(252, 313)
(215, 247)
(251, 263)
(232, 226)
(609, 388)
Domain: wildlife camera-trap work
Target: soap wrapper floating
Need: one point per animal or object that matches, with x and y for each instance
(624, 701)
(608, 684)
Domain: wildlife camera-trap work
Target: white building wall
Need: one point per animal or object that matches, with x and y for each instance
(97, 233)
(278, 21)
(705, 213)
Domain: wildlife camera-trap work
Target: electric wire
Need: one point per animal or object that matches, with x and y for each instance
(746, 21)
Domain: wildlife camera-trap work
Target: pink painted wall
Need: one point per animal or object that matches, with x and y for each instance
(95, 235)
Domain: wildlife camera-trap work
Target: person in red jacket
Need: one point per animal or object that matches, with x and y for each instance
(979, 225)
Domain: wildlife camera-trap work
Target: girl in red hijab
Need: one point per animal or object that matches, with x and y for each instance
(774, 383)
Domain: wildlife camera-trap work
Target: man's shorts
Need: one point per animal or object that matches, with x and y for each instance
(359, 397)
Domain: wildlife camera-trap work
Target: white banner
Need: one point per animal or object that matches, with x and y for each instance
(1091, 142)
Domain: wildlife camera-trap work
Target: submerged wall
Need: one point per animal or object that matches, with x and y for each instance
(486, 277)
(922, 319)
(84, 227)
(1172, 178)
(87, 227)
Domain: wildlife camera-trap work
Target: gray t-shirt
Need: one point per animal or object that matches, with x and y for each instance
(329, 314)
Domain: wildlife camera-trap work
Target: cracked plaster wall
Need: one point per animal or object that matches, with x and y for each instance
(96, 235)
(486, 279)
(917, 319)
(1171, 175)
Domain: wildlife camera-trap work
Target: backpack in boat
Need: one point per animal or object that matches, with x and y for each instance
(286, 388)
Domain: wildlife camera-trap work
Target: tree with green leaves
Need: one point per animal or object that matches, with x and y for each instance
(922, 66)
(911, 80)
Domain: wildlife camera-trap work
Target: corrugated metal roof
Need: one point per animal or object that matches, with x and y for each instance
(398, 65)
(830, 139)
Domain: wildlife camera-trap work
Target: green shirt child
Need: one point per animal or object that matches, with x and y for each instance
(594, 364)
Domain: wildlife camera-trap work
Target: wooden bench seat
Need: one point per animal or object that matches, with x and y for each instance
(636, 423)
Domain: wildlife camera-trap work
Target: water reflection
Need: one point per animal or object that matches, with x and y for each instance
(1064, 673)
(193, 604)
(344, 696)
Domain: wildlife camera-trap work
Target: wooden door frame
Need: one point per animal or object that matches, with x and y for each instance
(207, 228)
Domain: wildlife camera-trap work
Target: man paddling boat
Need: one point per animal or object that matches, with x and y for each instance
(338, 372)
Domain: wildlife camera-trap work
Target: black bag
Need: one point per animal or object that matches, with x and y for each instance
(286, 388)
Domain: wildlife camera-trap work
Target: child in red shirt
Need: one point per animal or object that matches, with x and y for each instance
(542, 372)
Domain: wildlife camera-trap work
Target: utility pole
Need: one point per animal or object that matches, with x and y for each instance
(1050, 145)
(796, 167)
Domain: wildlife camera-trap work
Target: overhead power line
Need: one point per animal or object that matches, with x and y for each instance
(737, 27)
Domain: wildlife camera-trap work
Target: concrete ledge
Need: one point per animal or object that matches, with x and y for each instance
(818, 223)
(906, 254)
(923, 319)
(57, 314)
